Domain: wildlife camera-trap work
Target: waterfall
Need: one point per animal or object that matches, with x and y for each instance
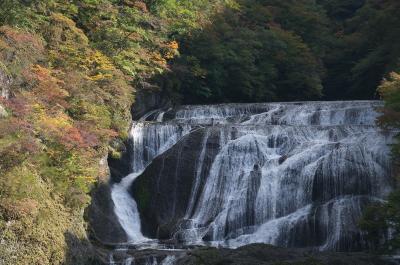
(148, 141)
(290, 174)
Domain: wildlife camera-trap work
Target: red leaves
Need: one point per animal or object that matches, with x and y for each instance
(46, 86)
(79, 138)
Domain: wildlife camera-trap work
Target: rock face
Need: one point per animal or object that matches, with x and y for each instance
(287, 174)
(5, 82)
(3, 112)
(104, 225)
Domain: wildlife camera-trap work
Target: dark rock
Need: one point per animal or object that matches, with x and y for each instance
(163, 191)
(282, 159)
(103, 223)
(147, 100)
(121, 167)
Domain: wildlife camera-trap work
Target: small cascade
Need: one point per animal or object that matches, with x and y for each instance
(169, 260)
(289, 174)
(149, 260)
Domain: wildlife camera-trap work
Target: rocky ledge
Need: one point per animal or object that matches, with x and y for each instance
(261, 254)
(255, 254)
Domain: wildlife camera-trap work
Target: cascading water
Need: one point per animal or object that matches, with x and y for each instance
(289, 174)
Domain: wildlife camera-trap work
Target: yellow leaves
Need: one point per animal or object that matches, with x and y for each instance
(41, 72)
(38, 108)
(98, 115)
(3, 69)
(99, 67)
(21, 182)
(390, 92)
(99, 77)
(390, 86)
(99, 61)
(233, 4)
(59, 122)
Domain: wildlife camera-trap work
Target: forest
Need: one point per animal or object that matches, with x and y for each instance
(70, 70)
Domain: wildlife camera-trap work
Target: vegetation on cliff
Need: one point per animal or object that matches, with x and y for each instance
(67, 91)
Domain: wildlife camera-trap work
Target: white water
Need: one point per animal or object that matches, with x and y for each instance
(169, 260)
(126, 209)
(289, 174)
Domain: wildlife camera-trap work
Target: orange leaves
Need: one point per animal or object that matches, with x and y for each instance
(173, 45)
(98, 66)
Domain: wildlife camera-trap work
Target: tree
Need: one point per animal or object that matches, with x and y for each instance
(382, 221)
